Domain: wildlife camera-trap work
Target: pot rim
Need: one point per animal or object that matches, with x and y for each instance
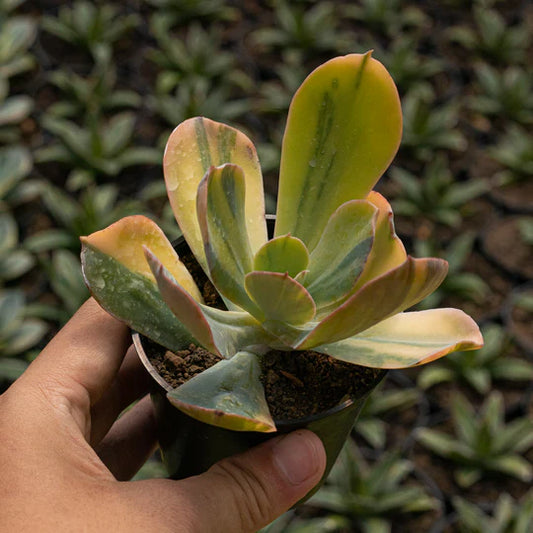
(280, 424)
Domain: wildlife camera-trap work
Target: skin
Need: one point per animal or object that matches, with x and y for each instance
(65, 458)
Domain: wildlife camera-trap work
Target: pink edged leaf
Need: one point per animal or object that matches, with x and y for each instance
(221, 215)
(379, 299)
(341, 253)
(221, 332)
(229, 395)
(409, 339)
(124, 241)
(387, 251)
(282, 254)
(343, 130)
(193, 147)
(280, 298)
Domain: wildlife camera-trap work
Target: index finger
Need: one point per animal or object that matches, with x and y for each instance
(84, 357)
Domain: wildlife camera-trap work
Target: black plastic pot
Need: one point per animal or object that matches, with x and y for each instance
(189, 447)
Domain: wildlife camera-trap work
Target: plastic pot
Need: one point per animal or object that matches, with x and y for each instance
(189, 447)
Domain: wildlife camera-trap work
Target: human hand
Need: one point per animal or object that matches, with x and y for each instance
(64, 457)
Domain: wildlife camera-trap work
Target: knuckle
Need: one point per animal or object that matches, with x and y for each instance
(250, 493)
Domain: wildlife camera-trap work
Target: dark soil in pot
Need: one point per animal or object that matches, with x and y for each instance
(297, 384)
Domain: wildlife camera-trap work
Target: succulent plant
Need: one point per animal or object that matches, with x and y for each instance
(334, 278)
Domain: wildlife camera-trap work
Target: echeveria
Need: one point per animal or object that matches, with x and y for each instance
(335, 278)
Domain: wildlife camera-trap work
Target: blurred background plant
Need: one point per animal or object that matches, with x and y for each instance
(88, 94)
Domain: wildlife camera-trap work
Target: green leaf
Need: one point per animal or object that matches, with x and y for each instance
(513, 465)
(341, 253)
(282, 254)
(380, 298)
(228, 395)
(222, 219)
(128, 291)
(11, 369)
(118, 133)
(15, 109)
(280, 298)
(25, 336)
(193, 147)
(343, 130)
(15, 164)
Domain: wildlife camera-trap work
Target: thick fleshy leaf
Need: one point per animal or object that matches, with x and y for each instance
(280, 297)
(193, 147)
(387, 251)
(341, 253)
(228, 395)
(131, 297)
(221, 215)
(379, 299)
(343, 130)
(409, 339)
(124, 241)
(282, 254)
(222, 332)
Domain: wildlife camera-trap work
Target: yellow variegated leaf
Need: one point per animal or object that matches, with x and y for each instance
(124, 241)
(343, 130)
(193, 147)
(409, 339)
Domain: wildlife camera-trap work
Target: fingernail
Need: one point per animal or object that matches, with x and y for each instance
(299, 455)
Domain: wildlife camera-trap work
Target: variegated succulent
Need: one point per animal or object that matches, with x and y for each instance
(334, 278)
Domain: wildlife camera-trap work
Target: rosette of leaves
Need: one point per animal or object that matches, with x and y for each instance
(372, 494)
(483, 443)
(334, 278)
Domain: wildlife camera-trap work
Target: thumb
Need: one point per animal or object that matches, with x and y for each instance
(248, 491)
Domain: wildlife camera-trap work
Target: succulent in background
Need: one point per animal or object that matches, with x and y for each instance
(92, 27)
(372, 494)
(483, 442)
(493, 38)
(504, 94)
(515, 152)
(173, 12)
(17, 34)
(335, 278)
(390, 17)
(508, 515)
(435, 195)
(100, 148)
(459, 282)
(481, 367)
(18, 333)
(428, 128)
(304, 30)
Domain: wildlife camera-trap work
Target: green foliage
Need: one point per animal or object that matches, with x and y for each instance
(389, 17)
(372, 494)
(288, 523)
(435, 195)
(480, 368)
(91, 96)
(101, 148)
(407, 67)
(492, 37)
(459, 282)
(18, 333)
(97, 207)
(197, 58)
(306, 30)
(199, 99)
(504, 94)
(515, 152)
(184, 11)
(370, 423)
(92, 27)
(429, 127)
(17, 34)
(483, 442)
(508, 515)
(526, 230)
